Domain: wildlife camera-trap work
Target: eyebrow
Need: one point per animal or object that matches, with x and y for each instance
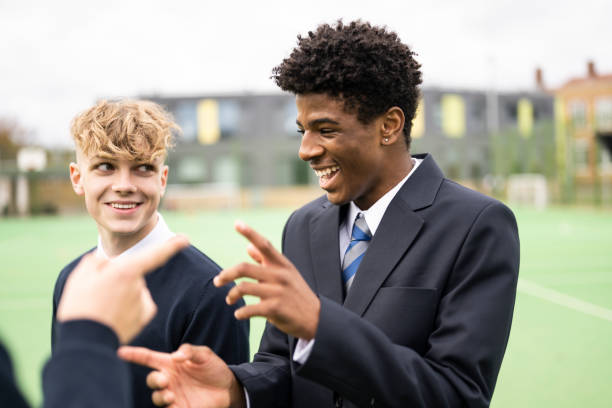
(318, 122)
(103, 157)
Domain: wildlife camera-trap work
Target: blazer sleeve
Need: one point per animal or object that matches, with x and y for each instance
(84, 370)
(268, 378)
(465, 349)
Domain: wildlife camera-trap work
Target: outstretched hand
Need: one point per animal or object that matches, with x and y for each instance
(192, 376)
(286, 300)
(113, 291)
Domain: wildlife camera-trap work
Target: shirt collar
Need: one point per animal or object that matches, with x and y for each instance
(160, 233)
(375, 213)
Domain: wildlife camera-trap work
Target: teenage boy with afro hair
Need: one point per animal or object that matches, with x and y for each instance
(119, 170)
(395, 289)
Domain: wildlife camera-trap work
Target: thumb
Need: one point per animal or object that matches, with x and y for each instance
(149, 306)
(195, 354)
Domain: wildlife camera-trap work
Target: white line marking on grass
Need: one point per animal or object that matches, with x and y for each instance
(562, 299)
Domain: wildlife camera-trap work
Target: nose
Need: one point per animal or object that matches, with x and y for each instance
(310, 147)
(123, 183)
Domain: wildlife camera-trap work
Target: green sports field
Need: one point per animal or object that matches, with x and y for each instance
(560, 350)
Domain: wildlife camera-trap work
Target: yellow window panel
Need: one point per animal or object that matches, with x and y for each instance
(453, 115)
(560, 136)
(524, 117)
(418, 123)
(209, 131)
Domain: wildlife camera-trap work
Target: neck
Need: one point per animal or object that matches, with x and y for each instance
(403, 166)
(398, 169)
(114, 244)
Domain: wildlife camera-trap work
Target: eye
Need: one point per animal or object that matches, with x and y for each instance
(104, 167)
(145, 168)
(301, 131)
(326, 131)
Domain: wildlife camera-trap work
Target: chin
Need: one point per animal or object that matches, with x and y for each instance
(337, 199)
(125, 229)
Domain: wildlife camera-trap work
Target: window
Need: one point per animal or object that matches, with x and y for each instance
(453, 115)
(603, 114)
(606, 161)
(577, 114)
(226, 170)
(290, 115)
(209, 130)
(185, 116)
(418, 123)
(524, 118)
(581, 154)
(229, 117)
(191, 170)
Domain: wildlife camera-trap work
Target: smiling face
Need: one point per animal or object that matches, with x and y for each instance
(121, 195)
(354, 161)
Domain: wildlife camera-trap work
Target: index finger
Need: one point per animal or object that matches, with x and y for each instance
(151, 257)
(260, 242)
(144, 356)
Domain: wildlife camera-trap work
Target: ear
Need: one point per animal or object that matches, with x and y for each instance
(76, 179)
(392, 126)
(164, 179)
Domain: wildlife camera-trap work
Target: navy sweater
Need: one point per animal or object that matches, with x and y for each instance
(190, 309)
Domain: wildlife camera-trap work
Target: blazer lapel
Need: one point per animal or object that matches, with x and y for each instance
(398, 228)
(326, 254)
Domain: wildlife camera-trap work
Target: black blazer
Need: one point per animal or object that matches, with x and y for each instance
(427, 319)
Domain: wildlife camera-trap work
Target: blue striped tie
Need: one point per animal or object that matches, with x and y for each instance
(360, 239)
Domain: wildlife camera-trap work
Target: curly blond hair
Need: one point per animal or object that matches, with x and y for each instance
(134, 130)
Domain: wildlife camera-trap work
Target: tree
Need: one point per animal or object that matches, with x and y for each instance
(12, 138)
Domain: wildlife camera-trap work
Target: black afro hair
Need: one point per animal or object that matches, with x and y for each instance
(368, 67)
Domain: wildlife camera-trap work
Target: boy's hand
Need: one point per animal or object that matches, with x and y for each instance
(114, 292)
(286, 300)
(192, 376)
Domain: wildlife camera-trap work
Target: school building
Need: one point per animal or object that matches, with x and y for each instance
(251, 140)
(583, 111)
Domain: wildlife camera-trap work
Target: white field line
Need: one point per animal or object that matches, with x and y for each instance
(562, 299)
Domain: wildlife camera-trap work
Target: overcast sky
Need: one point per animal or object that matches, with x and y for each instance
(57, 57)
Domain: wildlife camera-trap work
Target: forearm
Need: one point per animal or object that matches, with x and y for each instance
(268, 378)
(85, 370)
(357, 360)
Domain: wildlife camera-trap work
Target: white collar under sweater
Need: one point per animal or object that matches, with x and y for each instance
(160, 233)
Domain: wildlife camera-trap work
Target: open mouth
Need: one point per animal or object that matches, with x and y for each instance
(123, 206)
(326, 175)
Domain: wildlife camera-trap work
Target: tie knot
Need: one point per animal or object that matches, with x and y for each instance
(361, 232)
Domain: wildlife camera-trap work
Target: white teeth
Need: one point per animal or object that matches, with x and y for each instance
(326, 171)
(123, 206)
